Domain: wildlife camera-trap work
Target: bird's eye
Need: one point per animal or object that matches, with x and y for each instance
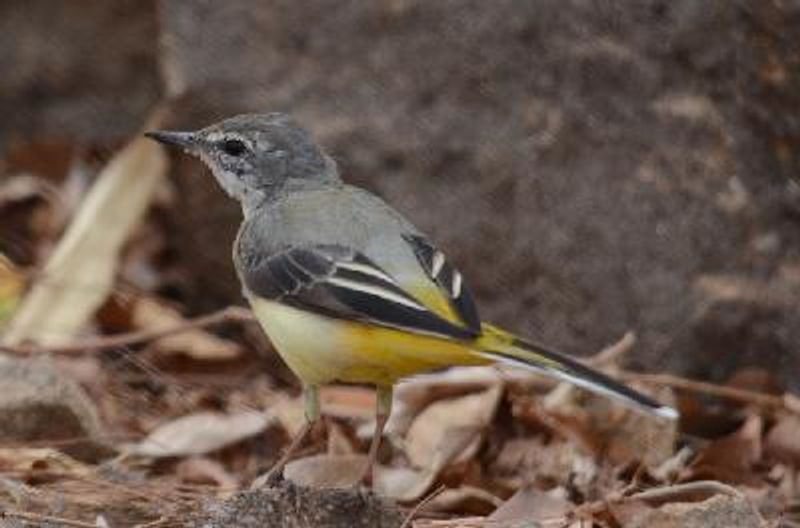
(233, 147)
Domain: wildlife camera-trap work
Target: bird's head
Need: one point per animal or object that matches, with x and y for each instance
(255, 156)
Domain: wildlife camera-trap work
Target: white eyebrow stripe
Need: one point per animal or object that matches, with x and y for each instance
(376, 291)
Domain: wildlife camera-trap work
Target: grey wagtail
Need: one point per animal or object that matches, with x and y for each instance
(347, 289)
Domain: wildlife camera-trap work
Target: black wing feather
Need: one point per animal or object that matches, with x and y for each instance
(341, 282)
(449, 280)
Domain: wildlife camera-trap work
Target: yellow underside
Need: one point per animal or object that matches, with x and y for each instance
(321, 350)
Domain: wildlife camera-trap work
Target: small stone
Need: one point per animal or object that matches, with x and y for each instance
(39, 405)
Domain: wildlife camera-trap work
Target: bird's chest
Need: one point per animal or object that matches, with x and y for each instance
(312, 345)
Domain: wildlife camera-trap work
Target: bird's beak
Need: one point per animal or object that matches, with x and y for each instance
(186, 140)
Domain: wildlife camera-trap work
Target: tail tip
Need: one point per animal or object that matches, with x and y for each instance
(666, 412)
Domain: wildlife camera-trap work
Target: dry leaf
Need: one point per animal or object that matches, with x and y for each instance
(404, 484)
(201, 433)
(202, 470)
(339, 471)
(413, 395)
(601, 425)
(446, 431)
(326, 471)
(27, 460)
(149, 314)
(464, 499)
(433, 430)
(783, 440)
(635, 436)
(530, 504)
(80, 272)
(732, 458)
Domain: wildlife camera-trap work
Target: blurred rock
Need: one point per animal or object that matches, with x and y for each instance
(84, 72)
(39, 406)
(758, 319)
(290, 506)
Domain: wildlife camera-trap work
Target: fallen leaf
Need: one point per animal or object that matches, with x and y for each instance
(81, 269)
(447, 431)
(339, 471)
(431, 433)
(517, 453)
(602, 426)
(414, 394)
(326, 471)
(732, 458)
(202, 470)
(556, 460)
(530, 504)
(28, 460)
(635, 436)
(196, 343)
(404, 484)
(201, 433)
(783, 440)
(464, 499)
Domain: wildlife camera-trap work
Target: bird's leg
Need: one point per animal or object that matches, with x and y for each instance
(312, 412)
(383, 408)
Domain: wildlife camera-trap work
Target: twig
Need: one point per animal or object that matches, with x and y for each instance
(226, 315)
(41, 519)
(658, 496)
(702, 387)
(613, 352)
(161, 521)
(682, 491)
(468, 522)
(421, 504)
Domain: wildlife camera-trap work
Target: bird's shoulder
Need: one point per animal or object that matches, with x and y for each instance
(342, 214)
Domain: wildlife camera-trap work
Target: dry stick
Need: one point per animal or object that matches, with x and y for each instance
(677, 491)
(421, 504)
(161, 521)
(611, 354)
(41, 519)
(226, 315)
(720, 391)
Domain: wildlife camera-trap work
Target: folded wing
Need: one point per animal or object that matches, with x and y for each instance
(340, 282)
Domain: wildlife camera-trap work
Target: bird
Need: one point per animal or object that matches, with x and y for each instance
(347, 289)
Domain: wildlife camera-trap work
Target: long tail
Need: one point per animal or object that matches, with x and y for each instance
(499, 345)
